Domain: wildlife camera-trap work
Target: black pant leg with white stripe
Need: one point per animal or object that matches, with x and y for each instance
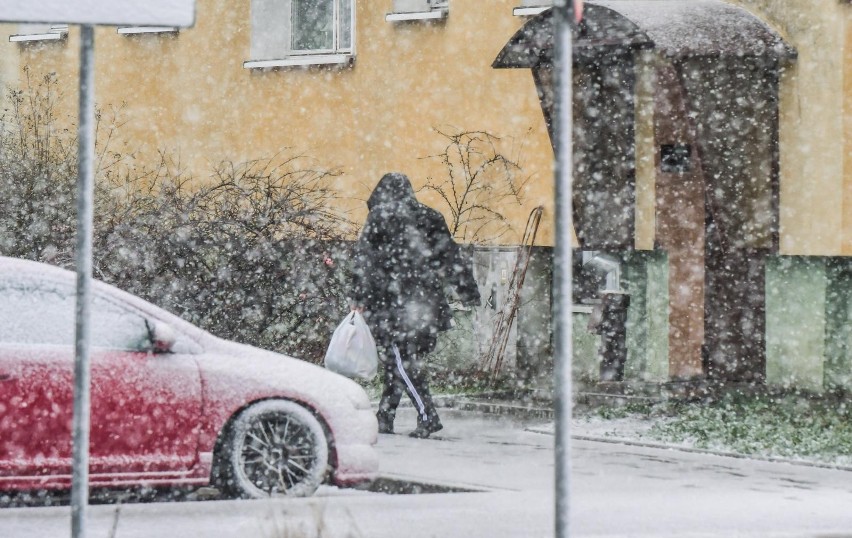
(403, 365)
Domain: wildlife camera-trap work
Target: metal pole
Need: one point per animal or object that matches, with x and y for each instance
(562, 263)
(85, 203)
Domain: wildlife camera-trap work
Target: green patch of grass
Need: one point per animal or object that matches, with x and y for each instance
(643, 410)
(790, 425)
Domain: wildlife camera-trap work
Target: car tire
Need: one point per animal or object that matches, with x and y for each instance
(274, 448)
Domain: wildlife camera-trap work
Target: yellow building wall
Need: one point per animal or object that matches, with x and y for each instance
(847, 130)
(815, 192)
(189, 93)
(646, 165)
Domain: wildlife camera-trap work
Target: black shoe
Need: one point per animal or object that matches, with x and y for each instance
(424, 429)
(385, 423)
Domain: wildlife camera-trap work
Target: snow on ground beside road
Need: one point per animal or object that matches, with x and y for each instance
(637, 429)
(632, 428)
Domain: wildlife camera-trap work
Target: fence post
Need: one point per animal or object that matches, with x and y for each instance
(562, 263)
(83, 256)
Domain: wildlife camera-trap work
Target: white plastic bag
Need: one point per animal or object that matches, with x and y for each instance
(352, 351)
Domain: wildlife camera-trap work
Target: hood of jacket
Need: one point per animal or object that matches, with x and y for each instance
(393, 188)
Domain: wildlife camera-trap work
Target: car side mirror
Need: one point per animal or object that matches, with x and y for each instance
(161, 336)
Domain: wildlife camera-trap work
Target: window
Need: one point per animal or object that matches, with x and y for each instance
(36, 313)
(413, 10)
(674, 158)
(42, 312)
(531, 7)
(301, 32)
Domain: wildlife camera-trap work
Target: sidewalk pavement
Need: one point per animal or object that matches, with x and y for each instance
(473, 450)
(619, 487)
(626, 431)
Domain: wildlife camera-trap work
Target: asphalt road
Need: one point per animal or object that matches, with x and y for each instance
(494, 478)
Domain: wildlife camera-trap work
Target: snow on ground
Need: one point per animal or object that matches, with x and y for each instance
(618, 490)
(632, 428)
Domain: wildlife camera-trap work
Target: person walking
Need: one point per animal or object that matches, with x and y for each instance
(404, 259)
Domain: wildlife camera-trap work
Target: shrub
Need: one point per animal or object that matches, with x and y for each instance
(252, 253)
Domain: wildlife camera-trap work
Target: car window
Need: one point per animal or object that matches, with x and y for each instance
(42, 312)
(116, 327)
(36, 313)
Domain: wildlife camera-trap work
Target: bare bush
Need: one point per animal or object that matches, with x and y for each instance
(480, 179)
(252, 253)
(37, 176)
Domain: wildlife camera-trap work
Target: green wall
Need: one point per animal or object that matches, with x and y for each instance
(796, 321)
(646, 277)
(838, 343)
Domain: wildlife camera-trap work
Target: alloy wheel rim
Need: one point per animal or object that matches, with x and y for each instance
(277, 453)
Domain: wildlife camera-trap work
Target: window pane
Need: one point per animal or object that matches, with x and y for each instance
(345, 24)
(40, 313)
(313, 24)
(115, 327)
(270, 39)
(43, 313)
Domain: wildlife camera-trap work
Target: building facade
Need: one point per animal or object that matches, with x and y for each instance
(713, 142)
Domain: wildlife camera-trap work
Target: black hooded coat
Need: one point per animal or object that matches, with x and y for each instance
(404, 258)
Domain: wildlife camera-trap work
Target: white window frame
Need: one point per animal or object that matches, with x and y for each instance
(528, 8)
(430, 10)
(284, 55)
(39, 32)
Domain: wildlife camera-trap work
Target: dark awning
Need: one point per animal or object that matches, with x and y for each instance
(675, 28)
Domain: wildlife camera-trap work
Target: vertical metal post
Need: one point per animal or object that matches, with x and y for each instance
(85, 203)
(562, 262)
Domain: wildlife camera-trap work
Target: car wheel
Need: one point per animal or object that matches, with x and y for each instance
(275, 448)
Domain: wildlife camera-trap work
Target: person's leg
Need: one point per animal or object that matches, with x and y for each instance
(409, 367)
(392, 389)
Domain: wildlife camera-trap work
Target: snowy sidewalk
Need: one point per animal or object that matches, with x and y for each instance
(622, 483)
(473, 450)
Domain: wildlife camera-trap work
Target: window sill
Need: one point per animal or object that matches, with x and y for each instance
(528, 11)
(130, 30)
(417, 15)
(56, 33)
(302, 61)
(35, 37)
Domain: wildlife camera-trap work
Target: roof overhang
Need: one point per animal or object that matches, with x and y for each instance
(676, 29)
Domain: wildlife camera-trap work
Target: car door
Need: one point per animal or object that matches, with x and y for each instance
(36, 378)
(146, 407)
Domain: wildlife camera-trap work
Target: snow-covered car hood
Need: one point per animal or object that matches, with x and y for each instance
(258, 366)
(235, 374)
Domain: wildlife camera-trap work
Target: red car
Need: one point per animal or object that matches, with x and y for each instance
(170, 403)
